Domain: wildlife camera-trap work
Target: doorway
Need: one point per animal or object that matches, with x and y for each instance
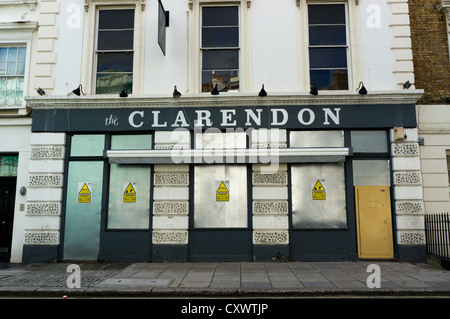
(7, 201)
(374, 222)
(220, 224)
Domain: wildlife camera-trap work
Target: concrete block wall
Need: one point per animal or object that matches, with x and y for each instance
(45, 190)
(170, 196)
(408, 196)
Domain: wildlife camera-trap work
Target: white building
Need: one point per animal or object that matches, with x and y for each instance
(233, 176)
(18, 35)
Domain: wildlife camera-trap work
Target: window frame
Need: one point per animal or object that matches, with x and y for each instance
(195, 43)
(99, 51)
(19, 35)
(15, 75)
(330, 46)
(354, 39)
(204, 49)
(90, 37)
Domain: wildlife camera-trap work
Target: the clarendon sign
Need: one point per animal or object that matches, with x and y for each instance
(171, 118)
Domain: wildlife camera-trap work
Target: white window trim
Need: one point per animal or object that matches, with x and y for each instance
(195, 68)
(354, 51)
(31, 3)
(444, 6)
(88, 62)
(19, 34)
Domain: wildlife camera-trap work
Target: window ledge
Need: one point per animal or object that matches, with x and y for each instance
(31, 25)
(31, 3)
(208, 156)
(229, 99)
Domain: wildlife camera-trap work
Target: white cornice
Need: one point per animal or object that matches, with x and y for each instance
(224, 100)
(443, 5)
(19, 25)
(31, 3)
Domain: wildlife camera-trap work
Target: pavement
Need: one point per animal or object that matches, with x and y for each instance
(224, 280)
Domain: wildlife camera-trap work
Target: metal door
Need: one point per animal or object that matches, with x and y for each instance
(83, 211)
(7, 200)
(374, 223)
(219, 228)
(320, 227)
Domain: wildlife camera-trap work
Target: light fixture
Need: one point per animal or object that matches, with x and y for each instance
(124, 92)
(407, 85)
(262, 92)
(78, 91)
(215, 91)
(313, 90)
(361, 89)
(40, 91)
(176, 94)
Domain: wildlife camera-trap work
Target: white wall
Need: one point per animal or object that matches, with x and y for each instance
(434, 128)
(273, 47)
(376, 39)
(68, 46)
(18, 133)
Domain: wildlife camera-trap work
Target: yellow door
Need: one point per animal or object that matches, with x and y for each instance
(374, 223)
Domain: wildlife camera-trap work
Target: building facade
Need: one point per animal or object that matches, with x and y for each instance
(18, 35)
(293, 136)
(430, 43)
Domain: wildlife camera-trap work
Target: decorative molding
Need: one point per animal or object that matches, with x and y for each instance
(409, 207)
(170, 208)
(177, 179)
(30, 3)
(88, 2)
(268, 145)
(45, 180)
(270, 208)
(270, 179)
(170, 237)
(232, 99)
(444, 6)
(268, 237)
(406, 149)
(171, 146)
(43, 209)
(41, 238)
(47, 152)
(407, 178)
(411, 238)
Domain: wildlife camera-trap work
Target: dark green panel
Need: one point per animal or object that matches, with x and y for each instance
(126, 246)
(322, 245)
(220, 245)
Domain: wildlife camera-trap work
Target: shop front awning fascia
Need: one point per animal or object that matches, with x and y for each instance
(229, 156)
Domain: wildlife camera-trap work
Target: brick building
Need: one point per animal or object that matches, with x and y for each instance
(430, 34)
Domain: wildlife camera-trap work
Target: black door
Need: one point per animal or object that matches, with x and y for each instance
(7, 199)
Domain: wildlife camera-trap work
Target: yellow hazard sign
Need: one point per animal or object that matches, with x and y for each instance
(222, 188)
(318, 191)
(129, 194)
(84, 193)
(222, 193)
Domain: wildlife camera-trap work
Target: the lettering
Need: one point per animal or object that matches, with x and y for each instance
(132, 121)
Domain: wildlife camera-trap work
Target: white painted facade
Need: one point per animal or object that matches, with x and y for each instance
(274, 52)
(434, 129)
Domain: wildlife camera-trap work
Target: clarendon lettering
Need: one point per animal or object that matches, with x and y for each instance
(224, 118)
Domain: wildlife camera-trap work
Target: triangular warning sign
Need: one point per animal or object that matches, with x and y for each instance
(84, 190)
(129, 189)
(318, 186)
(222, 188)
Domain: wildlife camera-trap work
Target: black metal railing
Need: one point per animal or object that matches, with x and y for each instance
(437, 231)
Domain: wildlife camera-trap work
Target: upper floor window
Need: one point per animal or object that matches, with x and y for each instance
(328, 46)
(12, 73)
(220, 48)
(115, 51)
